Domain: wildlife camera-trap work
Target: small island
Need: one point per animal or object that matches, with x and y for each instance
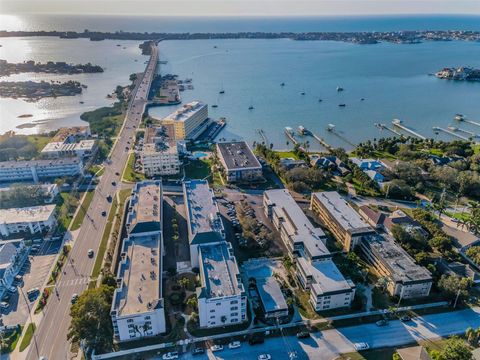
(34, 91)
(50, 67)
(461, 74)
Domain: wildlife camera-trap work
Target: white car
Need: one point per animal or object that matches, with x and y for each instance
(170, 355)
(265, 357)
(361, 346)
(216, 348)
(234, 345)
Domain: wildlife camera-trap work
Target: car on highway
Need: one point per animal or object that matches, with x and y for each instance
(104, 213)
(117, 173)
(382, 322)
(170, 355)
(361, 346)
(74, 298)
(114, 183)
(265, 357)
(109, 198)
(90, 253)
(234, 345)
(215, 348)
(198, 351)
(303, 335)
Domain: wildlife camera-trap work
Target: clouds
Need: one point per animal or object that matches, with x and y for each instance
(240, 7)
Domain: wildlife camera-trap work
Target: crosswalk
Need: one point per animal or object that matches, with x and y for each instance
(73, 282)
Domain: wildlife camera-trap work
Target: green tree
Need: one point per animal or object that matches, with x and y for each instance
(451, 285)
(192, 302)
(185, 282)
(455, 349)
(91, 321)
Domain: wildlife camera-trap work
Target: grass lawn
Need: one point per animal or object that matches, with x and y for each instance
(377, 354)
(39, 141)
(476, 148)
(197, 169)
(77, 222)
(103, 243)
(304, 306)
(287, 154)
(129, 173)
(66, 206)
(27, 338)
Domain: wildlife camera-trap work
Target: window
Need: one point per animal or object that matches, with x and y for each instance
(129, 320)
(212, 317)
(218, 304)
(234, 320)
(212, 311)
(233, 302)
(234, 308)
(234, 314)
(147, 317)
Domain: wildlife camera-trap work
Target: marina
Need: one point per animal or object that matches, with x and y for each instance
(398, 123)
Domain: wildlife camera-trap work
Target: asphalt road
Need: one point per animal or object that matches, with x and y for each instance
(329, 344)
(50, 340)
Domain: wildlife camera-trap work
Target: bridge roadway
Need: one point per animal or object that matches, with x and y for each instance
(50, 338)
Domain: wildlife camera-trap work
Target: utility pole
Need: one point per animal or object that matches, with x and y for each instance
(456, 298)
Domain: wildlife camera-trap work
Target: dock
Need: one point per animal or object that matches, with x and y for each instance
(462, 119)
(385, 127)
(289, 134)
(398, 123)
(436, 128)
(262, 135)
(333, 131)
(321, 141)
(465, 131)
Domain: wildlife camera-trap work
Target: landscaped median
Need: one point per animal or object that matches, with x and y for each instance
(82, 211)
(129, 173)
(27, 336)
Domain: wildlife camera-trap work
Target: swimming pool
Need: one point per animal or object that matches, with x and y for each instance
(199, 154)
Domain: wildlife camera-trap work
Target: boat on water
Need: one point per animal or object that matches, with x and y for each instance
(330, 127)
(282, 84)
(214, 106)
(81, 102)
(320, 100)
(459, 117)
(362, 99)
(339, 88)
(302, 93)
(250, 107)
(221, 92)
(301, 130)
(342, 105)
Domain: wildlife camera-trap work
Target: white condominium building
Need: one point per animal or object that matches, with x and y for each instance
(138, 306)
(316, 270)
(189, 121)
(406, 279)
(159, 156)
(221, 297)
(36, 170)
(239, 164)
(33, 220)
(203, 217)
(83, 148)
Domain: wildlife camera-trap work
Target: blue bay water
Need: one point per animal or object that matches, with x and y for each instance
(392, 78)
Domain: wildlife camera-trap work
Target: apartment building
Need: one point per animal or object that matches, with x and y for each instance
(159, 155)
(406, 279)
(47, 191)
(12, 257)
(32, 220)
(203, 217)
(343, 221)
(82, 149)
(221, 297)
(138, 306)
(36, 170)
(189, 121)
(239, 164)
(316, 270)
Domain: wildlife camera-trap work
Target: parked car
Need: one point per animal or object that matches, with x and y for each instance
(18, 279)
(303, 335)
(382, 322)
(12, 289)
(170, 355)
(4, 305)
(198, 351)
(361, 346)
(90, 253)
(215, 348)
(264, 357)
(74, 298)
(234, 345)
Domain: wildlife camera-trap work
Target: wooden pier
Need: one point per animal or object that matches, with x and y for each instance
(398, 123)
(321, 141)
(263, 135)
(462, 119)
(293, 140)
(436, 128)
(385, 127)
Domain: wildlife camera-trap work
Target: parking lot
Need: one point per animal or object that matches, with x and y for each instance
(34, 272)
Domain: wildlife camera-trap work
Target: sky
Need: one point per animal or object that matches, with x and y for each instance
(240, 7)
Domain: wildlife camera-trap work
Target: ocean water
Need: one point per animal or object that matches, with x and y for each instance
(393, 79)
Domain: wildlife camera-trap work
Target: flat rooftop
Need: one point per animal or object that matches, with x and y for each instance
(237, 155)
(345, 215)
(220, 271)
(26, 214)
(203, 213)
(37, 163)
(186, 111)
(141, 275)
(326, 276)
(296, 223)
(145, 210)
(271, 295)
(402, 267)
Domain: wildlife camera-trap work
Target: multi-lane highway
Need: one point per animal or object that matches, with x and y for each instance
(51, 334)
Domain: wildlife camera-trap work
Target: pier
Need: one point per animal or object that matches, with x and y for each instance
(385, 127)
(468, 132)
(398, 123)
(289, 134)
(321, 141)
(333, 131)
(262, 135)
(436, 128)
(462, 119)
